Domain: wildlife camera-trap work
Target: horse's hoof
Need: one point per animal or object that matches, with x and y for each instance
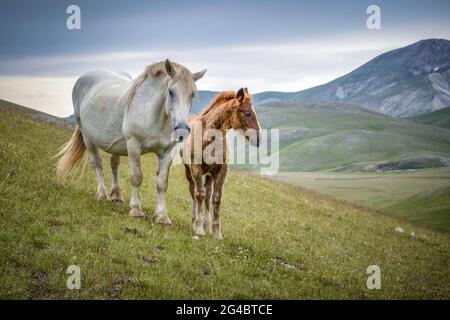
(218, 235)
(198, 229)
(163, 219)
(102, 196)
(136, 213)
(207, 226)
(116, 196)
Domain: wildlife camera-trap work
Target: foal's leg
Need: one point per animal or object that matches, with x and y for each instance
(97, 164)
(164, 162)
(199, 194)
(116, 193)
(187, 171)
(134, 155)
(217, 199)
(208, 187)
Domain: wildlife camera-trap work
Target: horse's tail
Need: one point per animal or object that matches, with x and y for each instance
(71, 154)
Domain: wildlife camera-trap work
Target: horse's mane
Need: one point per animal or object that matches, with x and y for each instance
(154, 70)
(218, 99)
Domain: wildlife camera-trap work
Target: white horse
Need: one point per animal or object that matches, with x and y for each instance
(131, 117)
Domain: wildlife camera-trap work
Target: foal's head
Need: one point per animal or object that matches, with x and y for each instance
(244, 117)
(181, 90)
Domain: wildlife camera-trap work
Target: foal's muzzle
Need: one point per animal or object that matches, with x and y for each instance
(180, 132)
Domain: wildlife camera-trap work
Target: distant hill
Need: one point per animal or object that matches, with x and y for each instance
(403, 82)
(343, 137)
(34, 114)
(439, 118)
(431, 206)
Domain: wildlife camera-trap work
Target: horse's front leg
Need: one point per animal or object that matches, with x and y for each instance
(217, 199)
(199, 194)
(116, 193)
(134, 156)
(162, 179)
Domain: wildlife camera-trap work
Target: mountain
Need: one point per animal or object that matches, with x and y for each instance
(404, 82)
(338, 136)
(439, 118)
(34, 114)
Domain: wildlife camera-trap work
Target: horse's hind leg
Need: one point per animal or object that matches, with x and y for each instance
(134, 155)
(208, 187)
(97, 163)
(116, 192)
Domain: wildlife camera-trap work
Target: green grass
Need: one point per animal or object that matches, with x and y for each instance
(431, 207)
(439, 118)
(412, 195)
(280, 241)
(343, 137)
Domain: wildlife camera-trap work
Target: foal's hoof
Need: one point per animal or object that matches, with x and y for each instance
(116, 195)
(218, 235)
(136, 213)
(163, 219)
(198, 229)
(101, 195)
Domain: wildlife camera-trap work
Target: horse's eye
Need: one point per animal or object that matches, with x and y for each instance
(247, 113)
(171, 93)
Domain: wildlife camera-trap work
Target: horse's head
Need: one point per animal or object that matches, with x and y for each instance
(181, 91)
(244, 117)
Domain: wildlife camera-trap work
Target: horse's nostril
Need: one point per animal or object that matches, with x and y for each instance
(180, 138)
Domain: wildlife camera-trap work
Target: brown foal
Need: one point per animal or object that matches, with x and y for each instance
(228, 110)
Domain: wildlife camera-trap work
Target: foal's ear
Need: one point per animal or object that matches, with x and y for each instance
(240, 95)
(170, 69)
(199, 75)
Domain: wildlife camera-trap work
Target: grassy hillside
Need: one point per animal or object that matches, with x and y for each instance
(412, 195)
(280, 241)
(343, 137)
(431, 206)
(31, 113)
(439, 118)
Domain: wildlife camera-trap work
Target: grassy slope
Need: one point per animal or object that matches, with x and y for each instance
(280, 242)
(439, 118)
(402, 194)
(431, 206)
(347, 138)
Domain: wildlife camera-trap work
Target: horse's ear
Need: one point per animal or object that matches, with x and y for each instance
(199, 75)
(246, 90)
(240, 95)
(170, 69)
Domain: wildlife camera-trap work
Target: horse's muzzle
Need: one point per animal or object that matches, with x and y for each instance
(180, 132)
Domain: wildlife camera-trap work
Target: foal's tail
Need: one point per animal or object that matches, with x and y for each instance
(71, 154)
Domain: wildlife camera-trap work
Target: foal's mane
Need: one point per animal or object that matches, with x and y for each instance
(154, 70)
(220, 98)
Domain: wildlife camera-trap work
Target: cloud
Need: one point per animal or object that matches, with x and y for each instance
(46, 82)
(48, 94)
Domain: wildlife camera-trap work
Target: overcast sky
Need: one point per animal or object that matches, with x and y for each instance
(264, 45)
